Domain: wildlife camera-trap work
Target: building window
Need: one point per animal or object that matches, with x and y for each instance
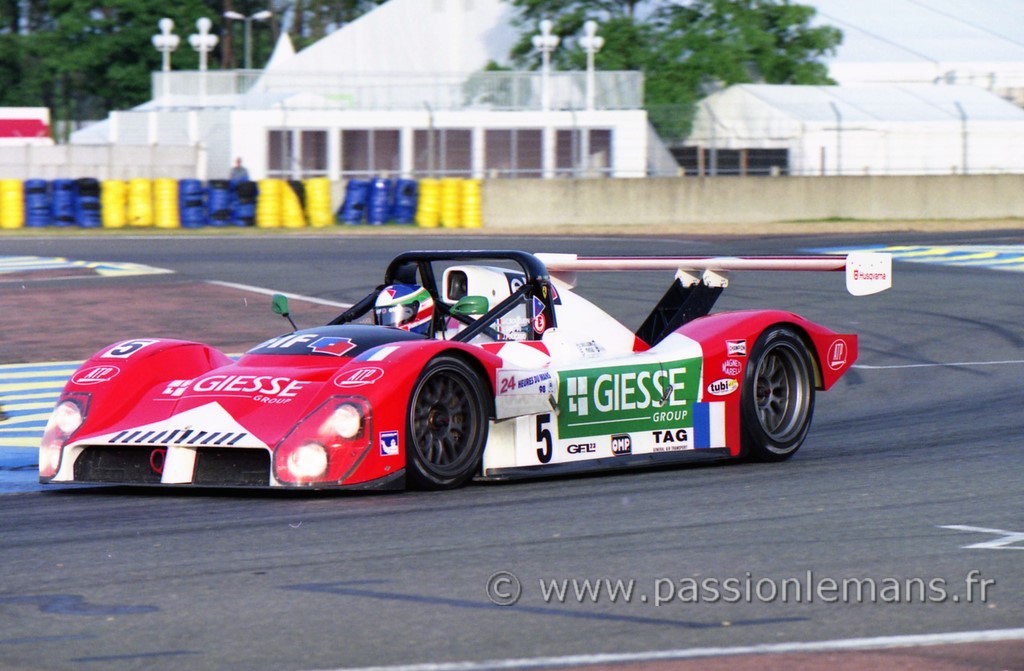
(280, 154)
(296, 154)
(583, 153)
(721, 162)
(365, 153)
(313, 148)
(513, 153)
(444, 152)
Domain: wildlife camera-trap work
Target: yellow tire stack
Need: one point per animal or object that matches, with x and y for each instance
(12, 204)
(428, 208)
(451, 202)
(472, 204)
(291, 208)
(318, 202)
(165, 203)
(140, 202)
(114, 203)
(268, 203)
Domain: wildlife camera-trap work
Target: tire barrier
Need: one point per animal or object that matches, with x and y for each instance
(403, 209)
(191, 203)
(428, 211)
(243, 203)
(114, 203)
(218, 202)
(451, 202)
(140, 202)
(357, 192)
(12, 204)
(37, 203)
(165, 203)
(87, 203)
(472, 205)
(62, 200)
(378, 209)
(318, 202)
(293, 194)
(270, 203)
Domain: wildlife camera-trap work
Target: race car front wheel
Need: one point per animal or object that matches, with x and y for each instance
(778, 396)
(447, 425)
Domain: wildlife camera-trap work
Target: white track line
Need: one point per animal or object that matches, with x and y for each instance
(955, 364)
(876, 643)
(271, 292)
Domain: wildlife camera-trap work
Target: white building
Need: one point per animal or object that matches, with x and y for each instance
(399, 91)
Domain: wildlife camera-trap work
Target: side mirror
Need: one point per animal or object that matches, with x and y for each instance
(279, 304)
(471, 305)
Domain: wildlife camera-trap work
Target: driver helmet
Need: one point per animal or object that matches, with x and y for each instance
(405, 306)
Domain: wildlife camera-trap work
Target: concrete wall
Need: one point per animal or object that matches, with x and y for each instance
(99, 161)
(695, 200)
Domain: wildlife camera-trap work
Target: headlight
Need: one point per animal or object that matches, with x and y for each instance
(67, 417)
(327, 444)
(346, 422)
(308, 461)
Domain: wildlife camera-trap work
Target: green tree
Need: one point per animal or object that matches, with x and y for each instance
(83, 58)
(687, 50)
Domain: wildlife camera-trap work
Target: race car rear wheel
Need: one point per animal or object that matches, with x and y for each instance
(447, 425)
(778, 396)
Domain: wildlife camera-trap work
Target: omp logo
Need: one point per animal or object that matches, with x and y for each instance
(625, 398)
(622, 445)
(577, 393)
(176, 387)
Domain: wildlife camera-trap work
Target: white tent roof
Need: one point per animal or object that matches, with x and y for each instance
(413, 36)
(759, 115)
(880, 129)
(925, 40)
(882, 103)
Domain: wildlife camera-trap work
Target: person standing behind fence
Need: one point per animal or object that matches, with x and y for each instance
(239, 173)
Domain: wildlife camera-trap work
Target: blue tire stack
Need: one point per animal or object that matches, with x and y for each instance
(353, 209)
(218, 202)
(403, 210)
(378, 210)
(37, 203)
(243, 202)
(191, 203)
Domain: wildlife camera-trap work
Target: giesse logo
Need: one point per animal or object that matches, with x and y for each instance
(577, 393)
(625, 398)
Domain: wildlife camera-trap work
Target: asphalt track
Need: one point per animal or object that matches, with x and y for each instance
(911, 477)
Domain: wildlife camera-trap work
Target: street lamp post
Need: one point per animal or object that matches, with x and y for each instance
(165, 43)
(591, 43)
(258, 16)
(545, 43)
(203, 41)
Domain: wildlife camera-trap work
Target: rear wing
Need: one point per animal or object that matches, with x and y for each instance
(866, 272)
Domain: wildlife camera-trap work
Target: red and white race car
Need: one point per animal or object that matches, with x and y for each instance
(480, 364)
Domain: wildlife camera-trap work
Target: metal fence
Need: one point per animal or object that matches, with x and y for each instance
(248, 89)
